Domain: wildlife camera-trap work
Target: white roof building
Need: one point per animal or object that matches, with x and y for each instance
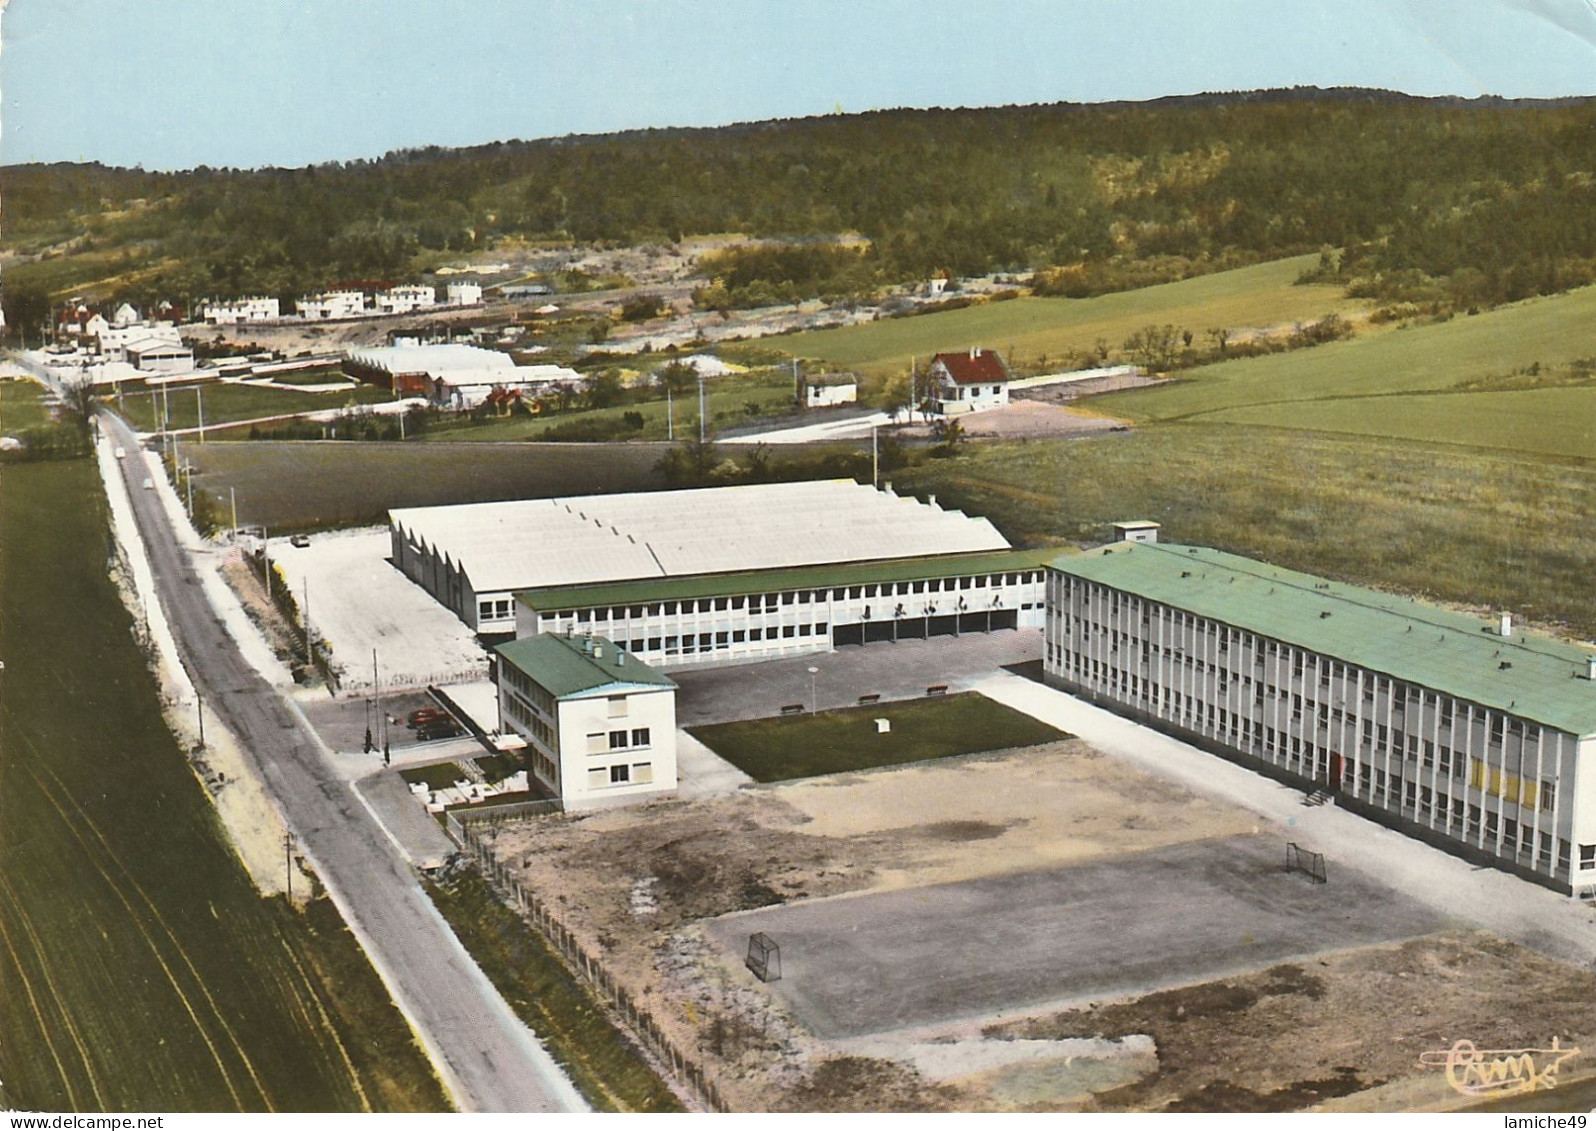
(331, 304)
(481, 553)
(463, 294)
(232, 313)
(403, 299)
(452, 374)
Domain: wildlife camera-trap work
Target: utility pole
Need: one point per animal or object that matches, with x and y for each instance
(913, 400)
(199, 703)
(199, 397)
(266, 558)
(232, 498)
(188, 475)
(700, 410)
(310, 661)
(670, 416)
(875, 462)
(288, 861)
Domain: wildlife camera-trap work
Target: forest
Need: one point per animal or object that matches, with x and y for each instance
(1430, 200)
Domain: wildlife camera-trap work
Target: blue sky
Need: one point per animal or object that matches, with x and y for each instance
(176, 83)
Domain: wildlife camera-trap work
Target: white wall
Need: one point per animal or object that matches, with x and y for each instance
(586, 777)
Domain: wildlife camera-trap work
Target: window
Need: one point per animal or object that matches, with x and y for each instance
(1587, 856)
(618, 740)
(620, 775)
(618, 707)
(598, 743)
(1548, 795)
(640, 736)
(642, 773)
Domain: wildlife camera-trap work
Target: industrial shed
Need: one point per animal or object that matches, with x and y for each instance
(716, 541)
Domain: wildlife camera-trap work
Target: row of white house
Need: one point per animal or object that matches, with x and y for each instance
(330, 305)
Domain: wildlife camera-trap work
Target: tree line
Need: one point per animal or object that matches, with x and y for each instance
(1474, 201)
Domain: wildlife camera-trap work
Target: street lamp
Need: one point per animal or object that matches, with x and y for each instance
(813, 704)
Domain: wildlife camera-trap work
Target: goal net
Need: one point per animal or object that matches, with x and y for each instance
(1310, 864)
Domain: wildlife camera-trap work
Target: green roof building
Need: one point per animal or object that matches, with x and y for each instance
(1471, 735)
(600, 725)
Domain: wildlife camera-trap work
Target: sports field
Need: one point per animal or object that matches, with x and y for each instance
(1248, 298)
(1103, 929)
(21, 406)
(139, 968)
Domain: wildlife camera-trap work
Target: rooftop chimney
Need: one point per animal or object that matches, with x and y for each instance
(1507, 625)
(975, 351)
(930, 500)
(598, 651)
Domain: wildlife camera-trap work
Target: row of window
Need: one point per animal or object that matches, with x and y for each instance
(603, 742)
(691, 644)
(767, 601)
(622, 773)
(495, 608)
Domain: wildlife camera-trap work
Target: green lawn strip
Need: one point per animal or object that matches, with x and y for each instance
(601, 1061)
(1475, 528)
(21, 406)
(229, 402)
(831, 742)
(139, 968)
(1263, 295)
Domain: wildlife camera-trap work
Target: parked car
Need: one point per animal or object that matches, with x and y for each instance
(149, 484)
(425, 715)
(439, 728)
(121, 453)
(300, 540)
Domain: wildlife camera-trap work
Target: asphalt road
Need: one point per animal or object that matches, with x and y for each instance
(487, 1058)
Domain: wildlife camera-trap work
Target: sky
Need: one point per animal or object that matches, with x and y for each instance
(170, 84)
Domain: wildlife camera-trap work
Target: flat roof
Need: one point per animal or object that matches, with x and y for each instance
(585, 540)
(1534, 677)
(577, 665)
(774, 580)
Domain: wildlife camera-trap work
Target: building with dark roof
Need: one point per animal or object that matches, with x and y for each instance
(1471, 736)
(968, 382)
(600, 725)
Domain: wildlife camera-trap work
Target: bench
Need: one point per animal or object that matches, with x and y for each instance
(937, 689)
(793, 709)
(866, 700)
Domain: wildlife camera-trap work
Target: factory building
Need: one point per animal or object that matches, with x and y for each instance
(722, 573)
(1468, 735)
(600, 726)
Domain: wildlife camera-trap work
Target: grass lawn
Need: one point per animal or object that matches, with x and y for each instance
(600, 1060)
(139, 968)
(302, 485)
(1491, 529)
(439, 776)
(1248, 297)
(497, 767)
(804, 746)
(224, 403)
(22, 406)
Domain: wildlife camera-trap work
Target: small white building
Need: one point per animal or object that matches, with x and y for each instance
(406, 298)
(330, 305)
(238, 311)
(968, 382)
(463, 294)
(822, 390)
(600, 724)
(126, 315)
(453, 375)
(157, 353)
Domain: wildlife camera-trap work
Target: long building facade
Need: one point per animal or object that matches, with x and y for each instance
(766, 614)
(1470, 736)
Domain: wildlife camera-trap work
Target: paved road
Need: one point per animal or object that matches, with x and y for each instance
(486, 1056)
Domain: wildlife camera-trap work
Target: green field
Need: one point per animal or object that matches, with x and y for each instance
(1249, 297)
(1464, 526)
(600, 1060)
(224, 403)
(21, 406)
(1423, 358)
(300, 485)
(726, 402)
(833, 742)
(139, 968)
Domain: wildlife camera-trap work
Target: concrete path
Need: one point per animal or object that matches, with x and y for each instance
(700, 772)
(893, 671)
(405, 819)
(1506, 905)
(487, 1058)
